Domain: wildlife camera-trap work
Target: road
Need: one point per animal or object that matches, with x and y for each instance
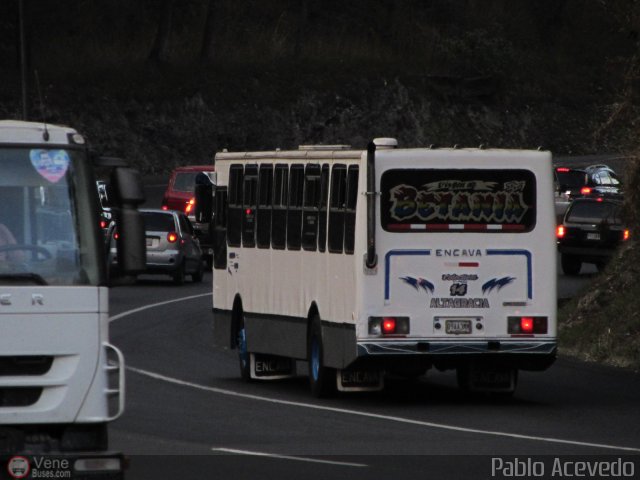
(188, 411)
(186, 398)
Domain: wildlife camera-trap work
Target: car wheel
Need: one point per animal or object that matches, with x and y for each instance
(198, 274)
(571, 264)
(178, 275)
(322, 380)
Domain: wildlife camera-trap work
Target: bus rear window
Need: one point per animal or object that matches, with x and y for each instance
(465, 200)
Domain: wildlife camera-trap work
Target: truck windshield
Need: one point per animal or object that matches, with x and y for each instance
(48, 232)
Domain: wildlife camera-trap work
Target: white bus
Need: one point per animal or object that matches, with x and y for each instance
(386, 261)
(61, 380)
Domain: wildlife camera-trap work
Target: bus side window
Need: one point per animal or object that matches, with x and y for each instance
(294, 212)
(350, 214)
(249, 205)
(324, 198)
(234, 217)
(336, 208)
(220, 208)
(279, 211)
(265, 195)
(311, 206)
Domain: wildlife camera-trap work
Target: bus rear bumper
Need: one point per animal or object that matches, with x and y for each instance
(523, 355)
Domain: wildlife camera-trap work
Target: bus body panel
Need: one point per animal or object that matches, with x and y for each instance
(496, 275)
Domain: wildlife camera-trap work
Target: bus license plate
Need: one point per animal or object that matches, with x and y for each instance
(457, 327)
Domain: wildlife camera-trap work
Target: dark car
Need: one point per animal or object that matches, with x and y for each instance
(179, 194)
(593, 181)
(591, 230)
(171, 245)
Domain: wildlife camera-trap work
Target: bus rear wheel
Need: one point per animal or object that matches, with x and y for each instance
(322, 380)
(244, 357)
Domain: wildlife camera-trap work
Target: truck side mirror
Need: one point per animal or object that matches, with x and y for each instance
(132, 250)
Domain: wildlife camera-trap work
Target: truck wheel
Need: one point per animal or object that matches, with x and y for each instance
(244, 357)
(322, 380)
(571, 264)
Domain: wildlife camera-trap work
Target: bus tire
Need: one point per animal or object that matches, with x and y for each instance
(244, 357)
(322, 380)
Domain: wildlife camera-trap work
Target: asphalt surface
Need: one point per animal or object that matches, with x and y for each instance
(189, 415)
(185, 399)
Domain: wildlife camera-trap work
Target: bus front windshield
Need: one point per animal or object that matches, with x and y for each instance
(47, 235)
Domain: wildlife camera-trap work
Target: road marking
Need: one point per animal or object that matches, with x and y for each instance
(376, 416)
(153, 305)
(287, 457)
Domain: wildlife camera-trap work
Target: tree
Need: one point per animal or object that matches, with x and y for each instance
(161, 43)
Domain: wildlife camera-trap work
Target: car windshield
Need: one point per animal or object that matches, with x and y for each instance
(594, 212)
(158, 222)
(570, 180)
(48, 231)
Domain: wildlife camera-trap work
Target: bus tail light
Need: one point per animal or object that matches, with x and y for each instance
(172, 237)
(560, 231)
(527, 325)
(381, 326)
(626, 234)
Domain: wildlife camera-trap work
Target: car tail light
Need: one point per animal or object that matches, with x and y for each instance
(103, 224)
(189, 207)
(560, 231)
(116, 235)
(585, 190)
(165, 207)
(626, 234)
(562, 169)
(388, 325)
(527, 325)
(172, 237)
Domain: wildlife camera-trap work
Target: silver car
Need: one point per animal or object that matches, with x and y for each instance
(171, 245)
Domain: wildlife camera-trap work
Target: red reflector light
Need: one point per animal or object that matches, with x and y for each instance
(388, 325)
(116, 235)
(103, 224)
(248, 211)
(526, 324)
(626, 234)
(164, 207)
(172, 237)
(560, 231)
(585, 190)
(562, 169)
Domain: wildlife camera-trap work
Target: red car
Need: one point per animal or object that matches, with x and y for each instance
(179, 193)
